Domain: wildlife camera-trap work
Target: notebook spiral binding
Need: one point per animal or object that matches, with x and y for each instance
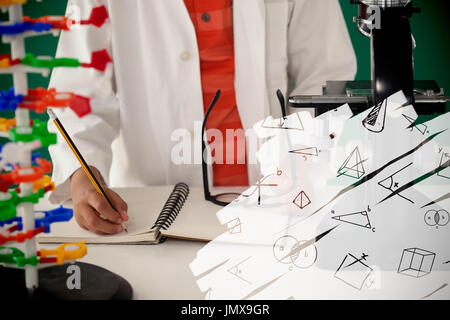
(172, 206)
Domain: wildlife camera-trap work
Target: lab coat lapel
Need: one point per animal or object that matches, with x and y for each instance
(249, 42)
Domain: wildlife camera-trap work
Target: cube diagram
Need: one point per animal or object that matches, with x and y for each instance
(416, 262)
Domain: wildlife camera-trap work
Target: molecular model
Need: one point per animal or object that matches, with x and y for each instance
(23, 179)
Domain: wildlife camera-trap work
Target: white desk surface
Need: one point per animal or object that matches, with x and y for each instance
(154, 271)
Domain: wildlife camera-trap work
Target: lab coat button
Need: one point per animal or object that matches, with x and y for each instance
(206, 17)
(185, 55)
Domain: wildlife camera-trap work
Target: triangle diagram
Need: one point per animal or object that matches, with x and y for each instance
(360, 219)
(422, 128)
(387, 183)
(444, 163)
(302, 200)
(312, 151)
(234, 270)
(291, 123)
(353, 165)
(376, 118)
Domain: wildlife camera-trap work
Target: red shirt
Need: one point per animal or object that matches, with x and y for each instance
(213, 24)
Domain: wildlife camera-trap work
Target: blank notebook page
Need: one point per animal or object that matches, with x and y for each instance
(196, 220)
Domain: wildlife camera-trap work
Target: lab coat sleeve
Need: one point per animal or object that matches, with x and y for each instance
(319, 46)
(93, 133)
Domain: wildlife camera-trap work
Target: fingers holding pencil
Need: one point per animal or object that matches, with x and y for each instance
(91, 209)
(105, 212)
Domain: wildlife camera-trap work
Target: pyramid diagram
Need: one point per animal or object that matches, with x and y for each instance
(302, 200)
(360, 219)
(353, 165)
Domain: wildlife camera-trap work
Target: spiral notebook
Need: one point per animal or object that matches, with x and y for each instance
(155, 213)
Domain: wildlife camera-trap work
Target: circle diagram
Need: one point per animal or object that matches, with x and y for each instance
(437, 218)
(289, 250)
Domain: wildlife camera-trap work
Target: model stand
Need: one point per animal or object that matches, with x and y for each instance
(25, 271)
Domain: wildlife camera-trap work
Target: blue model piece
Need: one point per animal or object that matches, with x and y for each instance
(16, 219)
(8, 100)
(21, 27)
(34, 156)
(60, 214)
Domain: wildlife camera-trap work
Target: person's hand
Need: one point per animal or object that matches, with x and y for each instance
(91, 210)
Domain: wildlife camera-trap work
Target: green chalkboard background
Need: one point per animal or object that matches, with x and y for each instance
(430, 29)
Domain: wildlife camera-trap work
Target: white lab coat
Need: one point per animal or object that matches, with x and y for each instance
(157, 87)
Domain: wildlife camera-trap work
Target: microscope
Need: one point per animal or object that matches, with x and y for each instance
(387, 24)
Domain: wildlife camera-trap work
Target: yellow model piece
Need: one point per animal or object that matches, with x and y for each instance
(11, 2)
(66, 251)
(43, 183)
(4, 63)
(7, 124)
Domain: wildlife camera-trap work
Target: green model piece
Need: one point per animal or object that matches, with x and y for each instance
(15, 256)
(32, 61)
(8, 207)
(38, 131)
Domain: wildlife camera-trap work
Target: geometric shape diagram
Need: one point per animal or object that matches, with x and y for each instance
(353, 166)
(360, 219)
(303, 258)
(390, 184)
(301, 200)
(376, 118)
(259, 184)
(416, 262)
(234, 226)
(437, 218)
(422, 128)
(237, 271)
(291, 123)
(445, 162)
(353, 271)
(312, 151)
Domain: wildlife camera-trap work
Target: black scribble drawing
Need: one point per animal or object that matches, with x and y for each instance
(416, 262)
(422, 128)
(441, 198)
(375, 120)
(237, 271)
(353, 166)
(437, 218)
(353, 271)
(302, 200)
(391, 184)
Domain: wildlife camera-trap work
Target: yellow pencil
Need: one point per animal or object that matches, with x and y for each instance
(80, 158)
